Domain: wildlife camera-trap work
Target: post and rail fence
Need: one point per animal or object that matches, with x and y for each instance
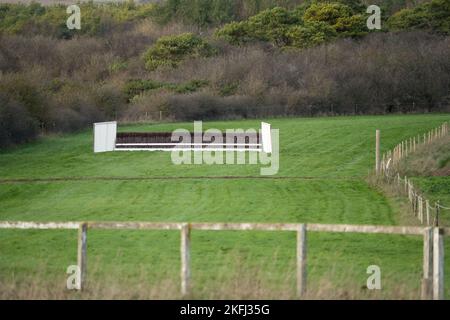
(432, 284)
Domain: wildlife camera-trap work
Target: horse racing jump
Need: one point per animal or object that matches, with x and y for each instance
(106, 139)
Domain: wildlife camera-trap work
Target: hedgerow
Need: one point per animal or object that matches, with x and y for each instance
(433, 15)
(305, 26)
(136, 87)
(51, 20)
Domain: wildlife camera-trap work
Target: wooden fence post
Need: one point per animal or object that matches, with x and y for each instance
(82, 254)
(406, 185)
(427, 208)
(185, 259)
(377, 151)
(427, 280)
(301, 260)
(436, 218)
(419, 207)
(438, 264)
(402, 150)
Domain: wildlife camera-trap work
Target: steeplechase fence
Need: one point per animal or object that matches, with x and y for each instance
(106, 138)
(432, 286)
(387, 167)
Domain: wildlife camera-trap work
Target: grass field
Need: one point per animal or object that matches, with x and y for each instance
(323, 163)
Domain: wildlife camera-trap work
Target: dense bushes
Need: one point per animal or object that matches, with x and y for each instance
(16, 124)
(434, 15)
(302, 27)
(203, 13)
(390, 73)
(170, 51)
(340, 17)
(134, 88)
(51, 20)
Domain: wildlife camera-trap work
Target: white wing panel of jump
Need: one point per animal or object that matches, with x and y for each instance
(266, 137)
(105, 136)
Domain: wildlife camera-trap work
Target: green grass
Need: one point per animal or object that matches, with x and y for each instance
(429, 168)
(316, 147)
(334, 153)
(437, 189)
(209, 200)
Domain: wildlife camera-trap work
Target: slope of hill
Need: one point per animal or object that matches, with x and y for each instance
(430, 170)
(323, 162)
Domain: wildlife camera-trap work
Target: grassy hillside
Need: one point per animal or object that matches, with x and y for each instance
(322, 165)
(310, 147)
(430, 169)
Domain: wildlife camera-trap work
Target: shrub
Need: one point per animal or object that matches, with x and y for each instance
(148, 106)
(327, 12)
(202, 13)
(417, 18)
(74, 107)
(305, 26)
(23, 89)
(172, 50)
(235, 33)
(339, 16)
(16, 123)
(434, 15)
(271, 25)
(51, 20)
(202, 105)
(353, 26)
(136, 87)
(109, 100)
(311, 34)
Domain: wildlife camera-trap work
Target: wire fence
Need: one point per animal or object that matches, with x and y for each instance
(420, 206)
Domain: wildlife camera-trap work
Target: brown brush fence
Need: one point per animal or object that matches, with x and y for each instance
(135, 139)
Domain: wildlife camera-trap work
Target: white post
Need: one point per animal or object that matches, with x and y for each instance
(438, 264)
(427, 282)
(82, 254)
(185, 259)
(420, 207)
(301, 260)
